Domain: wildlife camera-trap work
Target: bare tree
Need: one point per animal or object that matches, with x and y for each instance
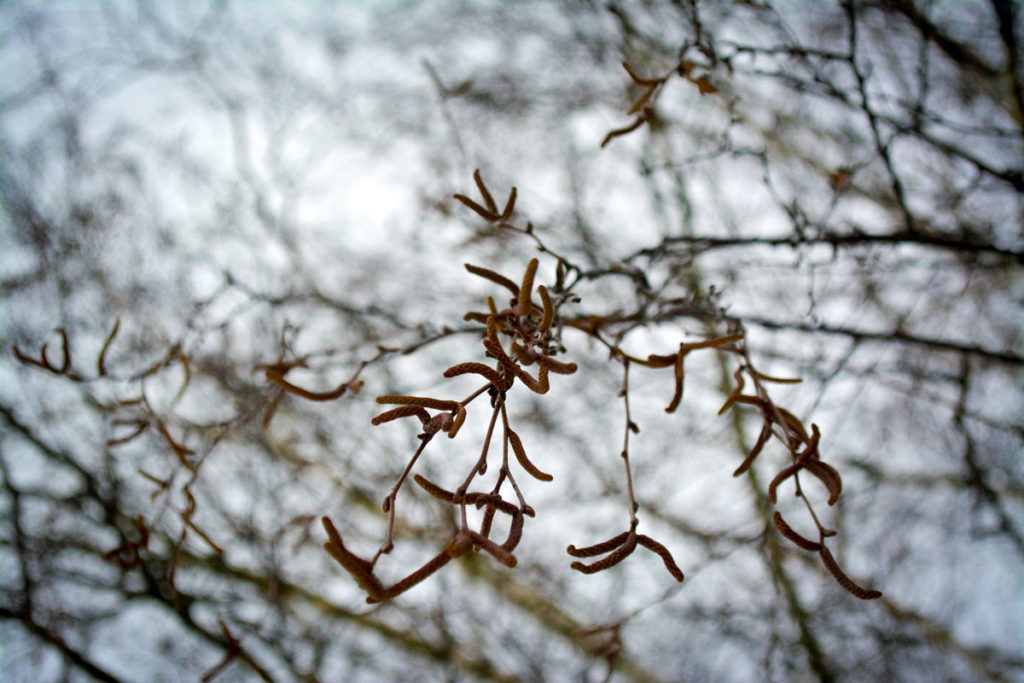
(309, 307)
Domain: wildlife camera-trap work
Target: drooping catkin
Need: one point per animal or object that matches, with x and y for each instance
(486, 371)
(781, 477)
(618, 555)
(789, 533)
(422, 401)
(762, 439)
(476, 208)
(524, 462)
(525, 304)
(489, 274)
(359, 568)
(278, 379)
(101, 361)
(498, 552)
(664, 554)
(510, 206)
(400, 412)
(845, 581)
(515, 532)
(827, 475)
(460, 419)
(432, 565)
(539, 385)
(549, 309)
(677, 397)
(598, 548)
(488, 199)
(555, 366)
(435, 490)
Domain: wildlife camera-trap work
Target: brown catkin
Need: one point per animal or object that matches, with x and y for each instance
(793, 425)
(476, 208)
(845, 581)
(432, 565)
(557, 367)
(736, 392)
(525, 304)
(832, 471)
(811, 450)
(539, 385)
(488, 373)
(460, 419)
(499, 553)
(664, 554)
(495, 349)
(360, 569)
(423, 401)
(399, 412)
(491, 500)
(549, 309)
(435, 490)
(493, 277)
(278, 379)
(523, 354)
(788, 532)
(488, 520)
(677, 397)
(517, 448)
(621, 553)
(515, 532)
(598, 548)
(476, 317)
(488, 199)
(101, 362)
(781, 477)
(824, 474)
(762, 439)
(510, 206)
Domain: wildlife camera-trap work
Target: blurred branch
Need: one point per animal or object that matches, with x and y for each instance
(50, 637)
(893, 336)
(955, 244)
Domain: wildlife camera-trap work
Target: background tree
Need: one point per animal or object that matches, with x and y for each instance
(198, 194)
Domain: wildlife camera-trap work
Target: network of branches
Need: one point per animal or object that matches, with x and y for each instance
(533, 334)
